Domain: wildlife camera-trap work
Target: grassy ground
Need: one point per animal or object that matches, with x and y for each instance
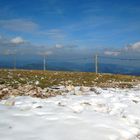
(43, 79)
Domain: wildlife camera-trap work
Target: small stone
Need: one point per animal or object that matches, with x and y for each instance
(10, 127)
(135, 101)
(62, 104)
(5, 90)
(70, 88)
(10, 102)
(95, 90)
(78, 93)
(37, 83)
(86, 103)
(39, 106)
(84, 89)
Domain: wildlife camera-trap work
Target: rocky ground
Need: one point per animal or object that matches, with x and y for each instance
(45, 84)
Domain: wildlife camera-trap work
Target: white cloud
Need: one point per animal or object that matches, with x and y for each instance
(111, 53)
(59, 46)
(134, 47)
(7, 42)
(17, 40)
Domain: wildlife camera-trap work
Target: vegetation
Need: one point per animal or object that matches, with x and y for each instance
(45, 79)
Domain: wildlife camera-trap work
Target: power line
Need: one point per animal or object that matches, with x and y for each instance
(116, 58)
(80, 58)
(85, 58)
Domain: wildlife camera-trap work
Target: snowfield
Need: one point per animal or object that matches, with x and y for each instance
(98, 114)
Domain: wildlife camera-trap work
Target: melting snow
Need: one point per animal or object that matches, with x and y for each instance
(114, 114)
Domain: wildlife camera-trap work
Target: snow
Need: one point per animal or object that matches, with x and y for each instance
(113, 114)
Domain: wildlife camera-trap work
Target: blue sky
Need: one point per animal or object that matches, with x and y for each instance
(71, 26)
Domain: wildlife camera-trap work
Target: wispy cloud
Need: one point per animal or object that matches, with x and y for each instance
(111, 53)
(45, 53)
(28, 26)
(21, 25)
(53, 33)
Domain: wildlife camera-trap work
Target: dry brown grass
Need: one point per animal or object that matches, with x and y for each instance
(15, 78)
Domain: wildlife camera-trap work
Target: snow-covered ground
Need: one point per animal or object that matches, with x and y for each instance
(107, 114)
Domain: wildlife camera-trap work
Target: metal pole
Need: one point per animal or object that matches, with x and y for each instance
(15, 61)
(15, 53)
(44, 63)
(96, 64)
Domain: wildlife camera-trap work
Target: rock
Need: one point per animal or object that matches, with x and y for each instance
(10, 127)
(5, 90)
(78, 93)
(84, 89)
(15, 92)
(1, 95)
(39, 106)
(86, 104)
(2, 82)
(2, 87)
(10, 102)
(68, 82)
(4, 93)
(62, 103)
(36, 82)
(135, 101)
(70, 88)
(95, 90)
(25, 88)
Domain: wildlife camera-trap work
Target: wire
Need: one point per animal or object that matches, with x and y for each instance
(129, 59)
(82, 58)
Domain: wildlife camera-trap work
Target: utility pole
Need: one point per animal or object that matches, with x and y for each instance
(15, 57)
(15, 61)
(44, 63)
(45, 55)
(96, 64)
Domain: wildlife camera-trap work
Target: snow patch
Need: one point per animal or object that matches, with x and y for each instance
(113, 114)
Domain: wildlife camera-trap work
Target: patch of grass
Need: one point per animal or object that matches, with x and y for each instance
(50, 78)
